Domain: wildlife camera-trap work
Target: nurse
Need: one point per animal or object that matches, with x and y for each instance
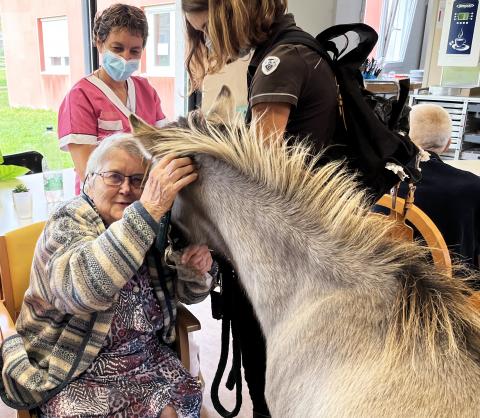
(100, 104)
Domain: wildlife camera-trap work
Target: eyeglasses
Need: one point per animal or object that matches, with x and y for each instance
(112, 178)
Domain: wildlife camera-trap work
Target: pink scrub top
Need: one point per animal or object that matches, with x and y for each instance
(91, 111)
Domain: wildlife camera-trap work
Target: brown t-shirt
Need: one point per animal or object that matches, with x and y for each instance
(298, 75)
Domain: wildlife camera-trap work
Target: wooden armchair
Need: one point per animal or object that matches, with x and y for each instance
(16, 255)
(423, 224)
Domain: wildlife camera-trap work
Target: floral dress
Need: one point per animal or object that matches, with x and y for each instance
(135, 374)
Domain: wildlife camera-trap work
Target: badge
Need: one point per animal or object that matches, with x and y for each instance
(270, 64)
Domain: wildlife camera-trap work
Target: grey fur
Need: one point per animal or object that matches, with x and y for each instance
(356, 325)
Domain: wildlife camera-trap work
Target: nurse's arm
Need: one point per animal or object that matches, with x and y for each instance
(80, 154)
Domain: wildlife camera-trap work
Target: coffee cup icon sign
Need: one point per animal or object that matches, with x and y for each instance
(460, 40)
(459, 43)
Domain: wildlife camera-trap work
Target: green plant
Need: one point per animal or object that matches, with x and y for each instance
(22, 129)
(8, 172)
(20, 188)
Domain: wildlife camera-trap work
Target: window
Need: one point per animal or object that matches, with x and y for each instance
(160, 52)
(54, 38)
(394, 19)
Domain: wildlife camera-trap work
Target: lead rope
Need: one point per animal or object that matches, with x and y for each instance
(229, 323)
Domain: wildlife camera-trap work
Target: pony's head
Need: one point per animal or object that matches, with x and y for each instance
(182, 137)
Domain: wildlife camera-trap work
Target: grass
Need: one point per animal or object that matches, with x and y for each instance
(23, 129)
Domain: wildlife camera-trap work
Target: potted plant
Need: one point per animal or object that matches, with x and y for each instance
(22, 201)
(21, 188)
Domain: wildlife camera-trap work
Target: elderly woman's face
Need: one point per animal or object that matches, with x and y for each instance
(111, 200)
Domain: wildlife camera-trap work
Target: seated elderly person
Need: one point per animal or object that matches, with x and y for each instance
(449, 196)
(98, 317)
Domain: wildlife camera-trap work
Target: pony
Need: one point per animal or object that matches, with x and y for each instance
(356, 324)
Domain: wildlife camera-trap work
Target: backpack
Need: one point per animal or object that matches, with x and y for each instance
(370, 131)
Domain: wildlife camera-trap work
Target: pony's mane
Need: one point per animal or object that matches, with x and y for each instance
(431, 311)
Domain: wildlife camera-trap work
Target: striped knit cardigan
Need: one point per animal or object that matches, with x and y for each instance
(78, 270)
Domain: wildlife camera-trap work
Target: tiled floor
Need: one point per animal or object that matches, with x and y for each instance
(6, 412)
(208, 338)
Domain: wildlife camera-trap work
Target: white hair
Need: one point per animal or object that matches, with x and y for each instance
(123, 141)
(430, 127)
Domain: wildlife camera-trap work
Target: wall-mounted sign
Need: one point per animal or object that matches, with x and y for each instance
(460, 44)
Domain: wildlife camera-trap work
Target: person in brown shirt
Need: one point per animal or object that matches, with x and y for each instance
(295, 79)
(292, 92)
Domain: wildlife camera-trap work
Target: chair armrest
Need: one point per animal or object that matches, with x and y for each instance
(186, 320)
(7, 326)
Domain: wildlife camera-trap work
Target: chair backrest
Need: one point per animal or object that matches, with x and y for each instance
(425, 227)
(16, 255)
(29, 159)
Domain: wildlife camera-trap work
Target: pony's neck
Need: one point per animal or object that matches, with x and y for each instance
(277, 262)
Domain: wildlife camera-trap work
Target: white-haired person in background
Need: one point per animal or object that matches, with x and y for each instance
(449, 196)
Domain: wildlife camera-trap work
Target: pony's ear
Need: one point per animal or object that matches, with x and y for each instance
(139, 126)
(223, 108)
(143, 131)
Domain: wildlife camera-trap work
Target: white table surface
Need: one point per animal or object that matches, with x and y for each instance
(40, 210)
(467, 165)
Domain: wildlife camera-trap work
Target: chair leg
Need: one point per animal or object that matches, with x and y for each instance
(183, 348)
(23, 414)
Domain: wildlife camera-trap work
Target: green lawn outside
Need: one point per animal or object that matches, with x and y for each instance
(23, 129)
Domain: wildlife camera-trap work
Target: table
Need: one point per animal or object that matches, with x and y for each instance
(40, 209)
(387, 86)
(468, 165)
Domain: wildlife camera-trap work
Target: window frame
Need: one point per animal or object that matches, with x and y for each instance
(158, 70)
(404, 27)
(46, 67)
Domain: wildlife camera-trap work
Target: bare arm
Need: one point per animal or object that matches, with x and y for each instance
(274, 118)
(80, 154)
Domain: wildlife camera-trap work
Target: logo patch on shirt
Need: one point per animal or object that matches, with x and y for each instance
(270, 64)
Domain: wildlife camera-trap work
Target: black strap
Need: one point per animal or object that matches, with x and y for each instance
(399, 104)
(160, 246)
(229, 323)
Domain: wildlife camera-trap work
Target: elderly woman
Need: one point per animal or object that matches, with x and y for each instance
(97, 320)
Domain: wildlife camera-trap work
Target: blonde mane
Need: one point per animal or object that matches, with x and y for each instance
(431, 311)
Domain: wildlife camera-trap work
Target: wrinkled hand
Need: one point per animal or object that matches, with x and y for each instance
(198, 258)
(166, 179)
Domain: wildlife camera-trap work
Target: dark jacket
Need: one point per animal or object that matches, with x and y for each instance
(451, 198)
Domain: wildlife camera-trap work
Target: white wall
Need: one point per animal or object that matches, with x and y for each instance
(349, 11)
(313, 16)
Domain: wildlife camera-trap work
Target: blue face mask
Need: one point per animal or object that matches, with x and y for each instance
(117, 67)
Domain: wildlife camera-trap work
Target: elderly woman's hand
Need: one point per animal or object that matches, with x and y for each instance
(166, 179)
(198, 258)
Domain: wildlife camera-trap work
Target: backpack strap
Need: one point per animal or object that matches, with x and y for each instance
(302, 38)
(399, 104)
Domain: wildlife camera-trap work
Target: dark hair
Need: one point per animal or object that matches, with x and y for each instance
(121, 16)
(233, 26)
